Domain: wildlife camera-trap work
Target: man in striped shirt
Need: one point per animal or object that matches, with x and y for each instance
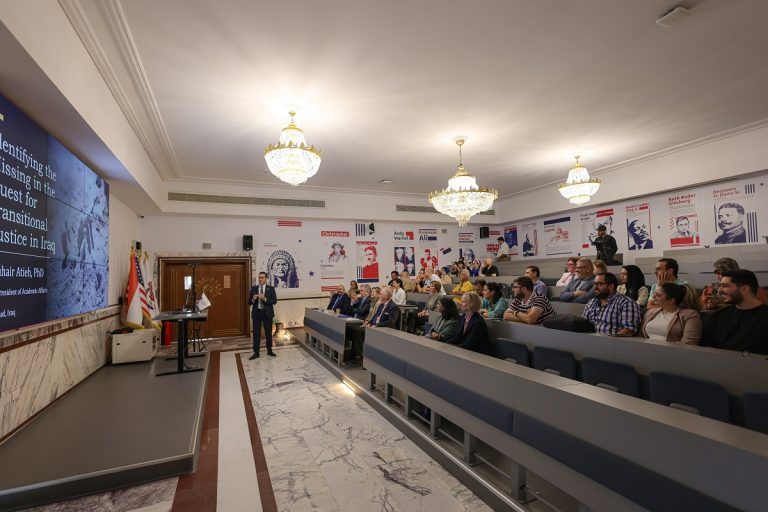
(611, 312)
(527, 306)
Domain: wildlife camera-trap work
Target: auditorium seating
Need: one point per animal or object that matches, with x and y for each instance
(756, 411)
(556, 362)
(692, 395)
(512, 351)
(618, 377)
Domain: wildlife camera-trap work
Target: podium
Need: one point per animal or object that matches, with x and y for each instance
(182, 318)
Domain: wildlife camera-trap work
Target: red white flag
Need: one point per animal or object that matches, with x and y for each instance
(132, 307)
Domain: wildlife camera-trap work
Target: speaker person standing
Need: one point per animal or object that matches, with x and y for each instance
(262, 297)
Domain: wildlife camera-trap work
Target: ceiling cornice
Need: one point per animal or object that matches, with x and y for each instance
(134, 96)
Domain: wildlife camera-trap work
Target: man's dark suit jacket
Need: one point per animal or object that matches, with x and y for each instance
(343, 305)
(389, 318)
(476, 336)
(362, 308)
(271, 300)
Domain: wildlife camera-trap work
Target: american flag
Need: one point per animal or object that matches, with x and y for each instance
(142, 289)
(289, 223)
(360, 229)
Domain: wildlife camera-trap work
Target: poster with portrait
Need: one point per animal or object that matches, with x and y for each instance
(557, 238)
(530, 239)
(639, 236)
(510, 236)
(735, 213)
(683, 223)
(281, 265)
(334, 259)
(428, 257)
(404, 259)
(367, 269)
(468, 254)
(589, 222)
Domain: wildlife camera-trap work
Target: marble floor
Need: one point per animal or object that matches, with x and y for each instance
(325, 449)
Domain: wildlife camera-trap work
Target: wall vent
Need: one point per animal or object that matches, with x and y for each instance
(257, 201)
(207, 246)
(429, 209)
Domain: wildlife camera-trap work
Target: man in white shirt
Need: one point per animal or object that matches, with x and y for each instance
(503, 253)
(570, 273)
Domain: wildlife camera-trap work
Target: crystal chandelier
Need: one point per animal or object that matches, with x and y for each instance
(463, 198)
(579, 187)
(290, 159)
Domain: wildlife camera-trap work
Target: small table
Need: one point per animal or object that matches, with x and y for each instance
(182, 318)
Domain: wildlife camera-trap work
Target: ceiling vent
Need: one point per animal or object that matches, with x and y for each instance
(256, 201)
(673, 17)
(429, 209)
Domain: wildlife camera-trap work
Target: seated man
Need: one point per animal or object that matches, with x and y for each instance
(409, 284)
(539, 287)
(478, 285)
(503, 253)
(489, 269)
(743, 324)
(387, 314)
(463, 287)
(611, 312)
(362, 305)
(527, 306)
(666, 271)
(340, 301)
(581, 288)
(711, 297)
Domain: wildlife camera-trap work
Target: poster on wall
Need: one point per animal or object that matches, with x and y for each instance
(428, 258)
(427, 235)
(405, 259)
(639, 235)
(529, 235)
(367, 261)
(557, 236)
(735, 212)
(510, 236)
(683, 224)
(334, 260)
(589, 223)
(466, 237)
(281, 265)
(468, 254)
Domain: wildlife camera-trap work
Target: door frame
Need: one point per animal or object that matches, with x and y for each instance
(164, 261)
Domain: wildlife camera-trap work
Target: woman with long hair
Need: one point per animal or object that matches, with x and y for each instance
(672, 321)
(633, 284)
(446, 327)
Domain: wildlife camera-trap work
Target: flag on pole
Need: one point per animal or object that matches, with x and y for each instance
(132, 308)
(149, 289)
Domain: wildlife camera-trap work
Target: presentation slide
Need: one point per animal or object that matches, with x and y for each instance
(54, 220)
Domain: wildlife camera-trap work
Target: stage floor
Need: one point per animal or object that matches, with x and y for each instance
(121, 426)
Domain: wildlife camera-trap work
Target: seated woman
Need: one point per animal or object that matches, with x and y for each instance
(710, 297)
(398, 294)
(672, 321)
(599, 266)
(447, 325)
(474, 269)
(472, 332)
(436, 291)
(493, 305)
(633, 284)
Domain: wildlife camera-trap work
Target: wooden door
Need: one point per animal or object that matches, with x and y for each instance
(225, 283)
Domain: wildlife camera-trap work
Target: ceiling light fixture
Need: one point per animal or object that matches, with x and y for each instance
(579, 187)
(290, 159)
(463, 199)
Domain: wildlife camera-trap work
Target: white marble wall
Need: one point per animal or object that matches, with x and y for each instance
(35, 374)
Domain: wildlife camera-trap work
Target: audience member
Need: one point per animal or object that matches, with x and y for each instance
(393, 275)
(527, 306)
(446, 327)
(408, 284)
(611, 312)
(473, 332)
(493, 305)
(429, 276)
(570, 271)
(489, 269)
(599, 266)
(387, 314)
(503, 253)
(357, 333)
(478, 285)
(421, 276)
(446, 279)
(743, 324)
(474, 268)
(436, 291)
(672, 321)
(633, 284)
(666, 272)
(532, 273)
(581, 288)
(353, 287)
(340, 302)
(463, 287)
(710, 298)
(605, 245)
(362, 306)
(398, 294)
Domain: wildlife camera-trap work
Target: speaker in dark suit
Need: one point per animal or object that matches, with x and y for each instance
(340, 301)
(262, 298)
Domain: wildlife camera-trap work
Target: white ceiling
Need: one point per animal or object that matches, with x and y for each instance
(384, 86)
